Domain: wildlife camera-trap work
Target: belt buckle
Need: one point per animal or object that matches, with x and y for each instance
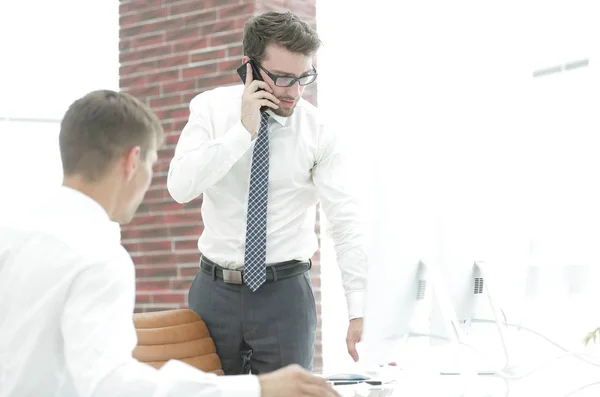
(232, 276)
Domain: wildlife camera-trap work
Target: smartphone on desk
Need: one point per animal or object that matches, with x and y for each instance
(255, 76)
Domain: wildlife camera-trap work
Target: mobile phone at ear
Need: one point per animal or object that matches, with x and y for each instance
(255, 72)
(255, 76)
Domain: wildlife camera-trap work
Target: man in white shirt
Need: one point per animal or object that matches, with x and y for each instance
(261, 175)
(67, 286)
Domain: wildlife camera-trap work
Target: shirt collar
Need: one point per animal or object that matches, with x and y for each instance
(89, 208)
(280, 119)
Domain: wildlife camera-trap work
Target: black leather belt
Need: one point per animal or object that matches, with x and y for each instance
(276, 271)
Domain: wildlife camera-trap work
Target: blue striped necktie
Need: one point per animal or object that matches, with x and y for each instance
(255, 270)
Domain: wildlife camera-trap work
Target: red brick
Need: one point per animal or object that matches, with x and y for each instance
(187, 259)
(171, 139)
(161, 167)
(183, 33)
(141, 234)
(167, 62)
(143, 91)
(138, 5)
(188, 6)
(163, 307)
(189, 218)
(189, 44)
(222, 26)
(159, 182)
(166, 75)
(177, 125)
(145, 220)
(164, 206)
(145, 54)
(175, 113)
(224, 39)
(155, 246)
(165, 100)
(143, 298)
(206, 56)
(149, 272)
(152, 285)
(237, 51)
(181, 284)
(178, 86)
(138, 68)
(142, 29)
(239, 10)
(143, 17)
(207, 83)
(190, 271)
(155, 195)
(229, 66)
(191, 231)
(201, 70)
(185, 245)
(169, 297)
(162, 260)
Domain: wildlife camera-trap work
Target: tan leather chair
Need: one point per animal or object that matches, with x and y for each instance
(175, 334)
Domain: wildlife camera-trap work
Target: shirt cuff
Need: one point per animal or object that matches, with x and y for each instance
(355, 301)
(238, 386)
(190, 380)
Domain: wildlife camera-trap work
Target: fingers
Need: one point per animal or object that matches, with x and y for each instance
(265, 95)
(266, 99)
(318, 387)
(257, 85)
(351, 344)
(270, 104)
(248, 74)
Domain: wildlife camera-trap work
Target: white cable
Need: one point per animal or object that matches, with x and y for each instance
(569, 352)
(582, 388)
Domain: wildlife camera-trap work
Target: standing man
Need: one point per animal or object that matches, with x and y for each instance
(261, 175)
(67, 285)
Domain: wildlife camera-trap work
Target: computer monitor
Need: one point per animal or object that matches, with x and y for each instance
(473, 295)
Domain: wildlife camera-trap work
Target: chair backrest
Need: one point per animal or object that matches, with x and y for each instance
(175, 334)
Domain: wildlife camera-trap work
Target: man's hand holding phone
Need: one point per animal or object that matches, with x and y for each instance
(256, 94)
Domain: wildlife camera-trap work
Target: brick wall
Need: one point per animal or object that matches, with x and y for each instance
(171, 50)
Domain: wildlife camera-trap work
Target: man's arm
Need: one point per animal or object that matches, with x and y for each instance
(200, 159)
(345, 228)
(99, 337)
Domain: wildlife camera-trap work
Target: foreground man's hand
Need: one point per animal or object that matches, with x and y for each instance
(294, 381)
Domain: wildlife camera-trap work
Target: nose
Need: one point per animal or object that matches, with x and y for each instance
(295, 90)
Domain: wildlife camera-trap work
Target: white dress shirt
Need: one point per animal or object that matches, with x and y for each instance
(67, 291)
(213, 158)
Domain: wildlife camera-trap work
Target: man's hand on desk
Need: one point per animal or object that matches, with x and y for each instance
(355, 329)
(294, 381)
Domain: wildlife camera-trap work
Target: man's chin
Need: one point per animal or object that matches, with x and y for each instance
(284, 112)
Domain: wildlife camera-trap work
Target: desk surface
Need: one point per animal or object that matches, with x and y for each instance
(417, 385)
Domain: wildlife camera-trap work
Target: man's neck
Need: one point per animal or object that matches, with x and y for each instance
(97, 191)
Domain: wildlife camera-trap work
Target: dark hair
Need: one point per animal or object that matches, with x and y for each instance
(280, 28)
(101, 126)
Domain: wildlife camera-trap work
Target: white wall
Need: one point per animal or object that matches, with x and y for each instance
(52, 53)
(440, 96)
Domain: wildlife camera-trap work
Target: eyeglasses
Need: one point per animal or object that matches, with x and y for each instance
(288, 81)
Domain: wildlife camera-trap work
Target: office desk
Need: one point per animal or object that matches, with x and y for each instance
(415, 385)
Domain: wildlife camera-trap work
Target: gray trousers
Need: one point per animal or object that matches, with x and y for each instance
(262, 331)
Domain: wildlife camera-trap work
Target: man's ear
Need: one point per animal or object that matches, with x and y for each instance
(131, 161)
(245, 59)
